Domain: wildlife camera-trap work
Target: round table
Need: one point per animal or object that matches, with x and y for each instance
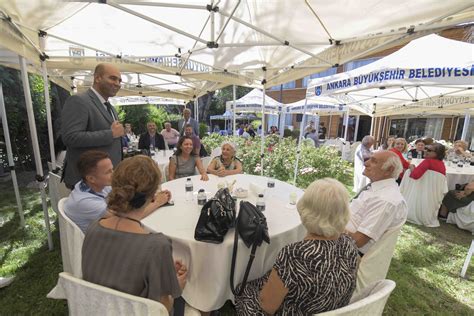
(454, 174)
(208, 285)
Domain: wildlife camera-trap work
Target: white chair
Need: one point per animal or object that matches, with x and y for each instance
(371, 302)
(57, 190)
(72, 239)
(216, 152)
(85, 298)
(467, 260)
(424, 197)
(464, 217)
(205, 162)
(375, 263)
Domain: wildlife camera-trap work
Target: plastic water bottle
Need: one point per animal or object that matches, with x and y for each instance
(201, 198)
(460, 163)
(188, 187)
(260, 203)
(409, 155)
(271, 183)
(418, 155)
(152, 149)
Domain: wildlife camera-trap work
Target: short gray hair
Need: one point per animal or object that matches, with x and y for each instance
(393, 162)
(324, 208)
(231, 144)
(367, 139)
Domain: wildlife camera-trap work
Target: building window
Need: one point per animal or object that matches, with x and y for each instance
(414, 128)
(359, 63)
(322, 74)
(288, 85)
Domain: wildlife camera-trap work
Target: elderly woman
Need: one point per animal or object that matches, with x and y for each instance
(460, 149)
(362, 153)
(119, 253)
(419, 150)
(226, 164)
(433, 161)
(400, 147)
(316, 274)
(184, 162)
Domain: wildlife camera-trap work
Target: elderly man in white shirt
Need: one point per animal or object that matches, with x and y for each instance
(379, 206)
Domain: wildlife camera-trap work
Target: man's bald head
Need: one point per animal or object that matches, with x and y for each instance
(107, 80)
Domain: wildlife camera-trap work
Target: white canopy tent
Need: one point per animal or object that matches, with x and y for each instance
(136, 100)
(182, 49)
(429, 75)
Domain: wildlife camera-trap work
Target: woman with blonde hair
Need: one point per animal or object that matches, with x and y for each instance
(119, 253)
(316, 274)
(226, 163)
(460, 149)
(399, 148)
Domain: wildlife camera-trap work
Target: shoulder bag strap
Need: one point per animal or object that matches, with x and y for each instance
(249, 264)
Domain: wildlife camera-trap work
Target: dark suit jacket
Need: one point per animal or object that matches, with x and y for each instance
(194, 124)
(144, 142)
(85, 125)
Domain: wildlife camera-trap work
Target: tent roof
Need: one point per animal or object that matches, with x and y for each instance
(253, 101)
(430, 74)
(182, 49)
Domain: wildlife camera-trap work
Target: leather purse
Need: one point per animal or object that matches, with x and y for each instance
(252, 227)
(217, 216)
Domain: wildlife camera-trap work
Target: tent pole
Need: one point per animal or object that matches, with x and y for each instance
(329, 127)
(196, 109)
(465, 127)
(36, 152)
(282, 121)
(356, 130)
(47, 102)
(300, 139)
(346, 122)
(372, 126)
(11, 163)
(451, 129)
(262, 142)
(234, 93)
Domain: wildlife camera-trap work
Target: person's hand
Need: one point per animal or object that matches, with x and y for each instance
(221, 172)
(411, 167)
(459, 195)
(181, 273)
(162, 197)
(117, 129)
(204, 177)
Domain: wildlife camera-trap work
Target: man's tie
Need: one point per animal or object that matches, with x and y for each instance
(109, 109)
(362, 190)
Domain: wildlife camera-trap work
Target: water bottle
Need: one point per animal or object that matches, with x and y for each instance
(188, 187)
(418, 154)
(260, 203)
(271, 183)
(409, 155)
(202, 198)
(460, 163)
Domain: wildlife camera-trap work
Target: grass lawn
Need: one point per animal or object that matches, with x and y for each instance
(425, 266)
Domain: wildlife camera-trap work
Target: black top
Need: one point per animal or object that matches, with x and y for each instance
(144, 142)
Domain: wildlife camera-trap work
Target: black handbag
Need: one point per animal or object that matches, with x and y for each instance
(217, 216)
(252, 227)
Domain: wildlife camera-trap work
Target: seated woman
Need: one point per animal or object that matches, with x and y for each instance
(184, 162)
(226, 164)
(419, 150)
(434, 161)
(316, 274)
(386, 145)
(399, 147)
(455, 199)
(119, 253)
(460, 149)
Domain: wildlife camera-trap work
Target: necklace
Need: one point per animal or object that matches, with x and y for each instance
(129, 218)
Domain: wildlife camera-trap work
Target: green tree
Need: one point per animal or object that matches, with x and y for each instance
(140, 115)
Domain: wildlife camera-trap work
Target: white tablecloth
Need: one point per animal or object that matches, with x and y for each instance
(454, 174)
(208, 285)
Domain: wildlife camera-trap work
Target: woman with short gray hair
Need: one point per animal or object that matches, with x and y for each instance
(316, 274)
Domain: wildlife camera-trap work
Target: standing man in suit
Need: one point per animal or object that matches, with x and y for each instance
(90, 122)
(187, 119)
(151, 137)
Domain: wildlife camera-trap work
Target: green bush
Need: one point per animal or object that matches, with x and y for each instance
(202, 130)
(295, 133)
(287, 133)
(280, 157)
